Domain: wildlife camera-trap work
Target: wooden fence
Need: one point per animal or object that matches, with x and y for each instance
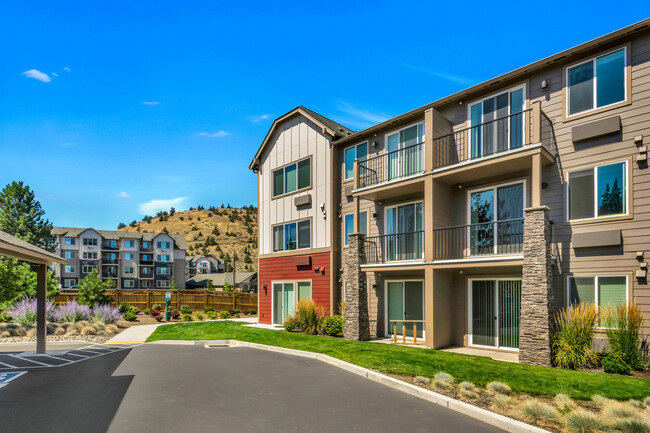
(195, 299)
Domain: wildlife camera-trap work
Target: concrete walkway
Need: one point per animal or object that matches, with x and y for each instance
(494, 354)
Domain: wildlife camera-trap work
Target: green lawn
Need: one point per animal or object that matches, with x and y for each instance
(422, 362)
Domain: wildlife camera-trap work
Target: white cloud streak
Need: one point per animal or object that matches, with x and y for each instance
(217, 134)
(259, 118)
(66, 69)
(441, 74)
(358, 118)
(124, 194)
(153, 206)
(37, 75)
(151, 102)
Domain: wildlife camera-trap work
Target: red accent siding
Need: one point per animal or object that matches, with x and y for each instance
(285, 269)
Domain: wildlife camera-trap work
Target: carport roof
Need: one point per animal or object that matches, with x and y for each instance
(11, 246)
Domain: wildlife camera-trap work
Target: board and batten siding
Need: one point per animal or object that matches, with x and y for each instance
(294, 139)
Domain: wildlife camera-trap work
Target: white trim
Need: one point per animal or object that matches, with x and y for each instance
(496, 312)
(594, 169)
(395, 264)
(480, 259)
(595, 82)
(393, 280)
(295, 294)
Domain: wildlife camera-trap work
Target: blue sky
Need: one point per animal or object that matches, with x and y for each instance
(110, 110)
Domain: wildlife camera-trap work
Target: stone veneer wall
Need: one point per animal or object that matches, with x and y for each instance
(357, 324)
(536, 289)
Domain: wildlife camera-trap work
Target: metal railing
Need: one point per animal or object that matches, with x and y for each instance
(109, 247)
(390, 166)
(394, 247)
(489, 138)
(146, 262)
(106, 261)
(482, 239)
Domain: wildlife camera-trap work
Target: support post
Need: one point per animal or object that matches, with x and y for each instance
(536, 130)
(536, 175)
(41, 303)
(357, 322)
(536, 289)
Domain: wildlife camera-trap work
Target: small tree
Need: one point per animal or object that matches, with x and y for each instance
(121, 226)
(93, 291)
(173, 285)
(227, 287)
(209, 285)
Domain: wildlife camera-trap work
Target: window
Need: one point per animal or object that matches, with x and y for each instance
(145, 284)
(129, 283)
(598, 191)
(129, 244)
(292, 178)
(304, 290)
(405, 151)
(363, 222)
(291, 236)
(163, 271)
(146, 257)
(601, 290)
(90, 255)
(162, 283)
(146, 244)
(128, 256)
(349, 227)
(128, 269)
(596, 83)
(163, 245)
(87, 269)
(70, 255)
(70, 241)
(70, 269)
(145, 271)
(68, 283)
(111, 243)
(354, 153)
(90, 241)
(111, 256)
(163, 257)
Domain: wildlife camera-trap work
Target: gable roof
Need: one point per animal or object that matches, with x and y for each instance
(11, 246)
(328, 127)
(179, 240)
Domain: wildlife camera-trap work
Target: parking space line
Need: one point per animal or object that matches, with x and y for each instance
(29, 360)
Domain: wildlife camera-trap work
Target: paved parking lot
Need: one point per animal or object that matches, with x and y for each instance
(192, 388)
(23, 357)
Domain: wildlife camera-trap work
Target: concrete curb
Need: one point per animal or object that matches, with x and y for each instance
(491, 418)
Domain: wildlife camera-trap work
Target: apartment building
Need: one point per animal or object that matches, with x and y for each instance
(472, 220)
(131, 260)
(200, 265)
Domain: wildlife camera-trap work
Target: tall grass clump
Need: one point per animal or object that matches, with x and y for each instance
(574, 333)
(106, 314)
(536, 412)
(623, 328)
(581, 421)
(24, 311)
(308, 318)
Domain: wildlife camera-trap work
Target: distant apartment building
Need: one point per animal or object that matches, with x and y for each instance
(131, 260)
(200, 265)
(475, 218)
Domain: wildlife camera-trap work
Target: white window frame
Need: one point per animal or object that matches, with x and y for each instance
(167, 271)
(297, 236)
(165, 256)
(68, 283)
(596, 299)
(387, 328)
(386, 223)
(163, 245)
(70, 241)
(356, 157)
(87, 269)
(162, 284)
(72, 254)
(295, 293)
(595, 90)
(90, 242)
(145, 271)
(129, 268)
(129, 256)
(424, 150)
(129, 284)
(595, 170)
(70, 269)
(146, 244)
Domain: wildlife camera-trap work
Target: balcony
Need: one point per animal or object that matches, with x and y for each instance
(146, 262)
(479, 241)
(146, 249)
(109, 273)
(107, 261)
(394, 248)
(109, 247)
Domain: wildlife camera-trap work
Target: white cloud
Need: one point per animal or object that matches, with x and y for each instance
(151, 102)
(217, 134)
(259, 118)
(37, 75)
(153, 206)
(54, 74)
(358, 118)
(66, 69)
(441, 74)
(124, 194)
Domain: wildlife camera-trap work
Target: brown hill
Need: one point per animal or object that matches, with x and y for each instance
(222, 232)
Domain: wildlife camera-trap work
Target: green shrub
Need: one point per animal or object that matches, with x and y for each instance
(157, 307)
(187, 317)
(199, 316)
(130, 316)
(575, 328)
(623, 325)
(333, 325)
(236, 316)
(185, 309)
(124, 307)
(613, 364)
(208, 309)
(145, 311)
(309, 317)
(253, 311)
(211, 315)
(224, 314)
(289, 323)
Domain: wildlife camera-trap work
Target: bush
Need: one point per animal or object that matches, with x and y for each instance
(575, 328)
(176, 314)
(613, 364)
(289, 324)
(253, 311)
(157, 307)
(24, 311)
(186, 317)
(309, 317)
(72, 312)
(211, 315)
(199, 315)
(444, 378)
(224, 314)
(185, 309)
(106, 314)
(583, 422)
(158, 317)
(623, 324)
(333, 325)
(236, 316)
(498, 387)
(632, 425)
(208, 309)
(536, 412)
(231, 312)
(145, 311)
(246, 311)
(124, 307)
(154, 312)
(91, 290)
(130, 316)
(236, 310)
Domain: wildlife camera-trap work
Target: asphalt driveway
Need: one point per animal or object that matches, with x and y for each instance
(191, 388)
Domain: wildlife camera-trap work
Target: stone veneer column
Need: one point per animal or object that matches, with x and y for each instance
(357, 324)
(536, 289)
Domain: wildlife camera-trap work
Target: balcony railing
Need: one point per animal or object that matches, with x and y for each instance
(391, 166)
(109, 247)
(489, 138)
(146, 262)
(106, 261)
(479, 240)
(394, 247)
(109, 274)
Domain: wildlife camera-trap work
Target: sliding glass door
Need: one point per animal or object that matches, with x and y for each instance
(405, 151)
(497, 123)
(405, 301)
(404, 232)
(283, 300)
(494, 311)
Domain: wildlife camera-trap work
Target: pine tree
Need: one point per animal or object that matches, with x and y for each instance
(23, 217)
(91, 290)
(121, 226)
